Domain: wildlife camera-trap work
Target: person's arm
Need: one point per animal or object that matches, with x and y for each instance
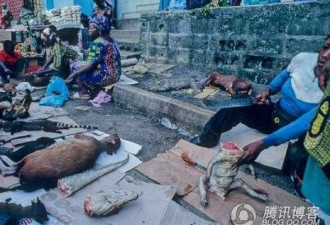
(83, 69)
(5, 68)
(274, 87)
(47, 64)
(277, 83)
(290, 131)
(45, 68)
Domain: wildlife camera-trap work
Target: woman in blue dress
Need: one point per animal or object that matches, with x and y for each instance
(103, 67)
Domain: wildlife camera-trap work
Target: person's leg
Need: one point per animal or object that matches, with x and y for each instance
(3, 75)
(257, 116)
(82, 89)
(19, 68)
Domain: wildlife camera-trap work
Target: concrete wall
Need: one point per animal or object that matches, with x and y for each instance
(255, 42)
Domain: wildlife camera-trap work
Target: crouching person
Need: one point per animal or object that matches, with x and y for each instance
(12, 64)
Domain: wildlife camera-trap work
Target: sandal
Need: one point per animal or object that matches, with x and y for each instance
(78, 96)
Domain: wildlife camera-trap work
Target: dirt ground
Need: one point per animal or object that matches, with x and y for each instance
(152, 135)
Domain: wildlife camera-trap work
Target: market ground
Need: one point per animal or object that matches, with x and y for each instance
(152, 135)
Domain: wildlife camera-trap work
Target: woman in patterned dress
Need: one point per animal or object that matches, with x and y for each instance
(103, 67)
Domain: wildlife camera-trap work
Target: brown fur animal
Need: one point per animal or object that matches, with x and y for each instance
(231, 83)
(59, 160)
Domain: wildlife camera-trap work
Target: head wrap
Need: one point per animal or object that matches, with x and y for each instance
(48, 33)
(102, 23)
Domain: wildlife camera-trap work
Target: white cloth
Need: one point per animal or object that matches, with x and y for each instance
(304, 82)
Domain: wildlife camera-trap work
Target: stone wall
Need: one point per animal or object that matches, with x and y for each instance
(255, 42)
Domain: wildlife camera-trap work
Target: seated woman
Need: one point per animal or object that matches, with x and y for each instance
(59, 59)
(103, 67)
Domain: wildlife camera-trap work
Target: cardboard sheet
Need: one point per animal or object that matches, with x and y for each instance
(105, 159)
(218, 209)
(124, 80)
(207, 91)
(149, 208)
(177, 215)
(127, 146)
(242, 135)
(7, 183)
(169, 169)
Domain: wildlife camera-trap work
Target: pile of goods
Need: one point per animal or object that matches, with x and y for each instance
(19, 48)
(70, 14)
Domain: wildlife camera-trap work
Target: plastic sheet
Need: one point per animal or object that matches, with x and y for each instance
(56, 94)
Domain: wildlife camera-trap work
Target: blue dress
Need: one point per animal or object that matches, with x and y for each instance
(107, 55)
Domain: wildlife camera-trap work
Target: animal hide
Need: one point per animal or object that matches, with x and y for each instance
(58, 161)
(231, 83)
(43, 125)
(27, 149)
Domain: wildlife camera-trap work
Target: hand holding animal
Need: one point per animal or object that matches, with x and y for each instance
(221, 173)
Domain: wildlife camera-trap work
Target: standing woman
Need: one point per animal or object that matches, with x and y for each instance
(103, 67)
(103, 8)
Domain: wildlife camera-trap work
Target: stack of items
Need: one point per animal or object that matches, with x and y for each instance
(54, 16)
(71, 14)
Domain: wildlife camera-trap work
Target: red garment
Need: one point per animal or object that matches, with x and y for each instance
(10, 60)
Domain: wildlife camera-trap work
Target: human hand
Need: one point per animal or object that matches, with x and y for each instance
(263, 98)
(251, 152)
(70, 78)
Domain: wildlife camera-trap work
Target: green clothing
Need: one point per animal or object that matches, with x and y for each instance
(316, 182)
(316, 186)
(318, 137)
(62, 55)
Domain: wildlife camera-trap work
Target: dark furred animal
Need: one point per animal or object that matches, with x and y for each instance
(60, 160)
(29, 148)
(11, 213)
(43, 125)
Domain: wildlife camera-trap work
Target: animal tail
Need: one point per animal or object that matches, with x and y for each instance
(68, 126)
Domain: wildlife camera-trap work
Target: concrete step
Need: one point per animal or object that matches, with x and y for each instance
(129, 55)
(147, 7)
(128, 24)
(125, 34)
(132, 45)
(182, 113)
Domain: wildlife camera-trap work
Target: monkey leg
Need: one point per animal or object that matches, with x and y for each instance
(218, 191)
(240, 183)
(201, 184)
